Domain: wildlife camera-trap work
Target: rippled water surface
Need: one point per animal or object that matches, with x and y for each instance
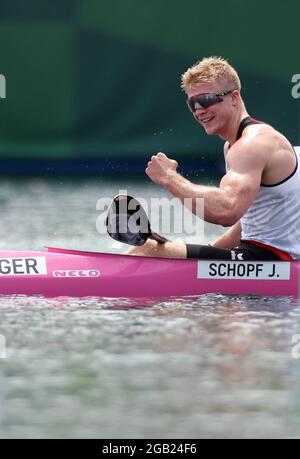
(211, 366)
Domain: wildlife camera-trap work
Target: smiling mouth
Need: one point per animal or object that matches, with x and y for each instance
(206, 120)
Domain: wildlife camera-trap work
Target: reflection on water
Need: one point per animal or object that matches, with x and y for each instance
(210, 366)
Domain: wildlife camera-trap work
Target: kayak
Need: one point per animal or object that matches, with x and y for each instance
(62, 272)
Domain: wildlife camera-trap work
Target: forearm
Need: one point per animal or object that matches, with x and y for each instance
(230, 239)
(211, 203)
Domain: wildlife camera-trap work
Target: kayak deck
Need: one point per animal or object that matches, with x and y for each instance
(62, 272)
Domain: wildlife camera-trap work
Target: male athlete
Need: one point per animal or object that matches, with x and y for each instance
(259, 196)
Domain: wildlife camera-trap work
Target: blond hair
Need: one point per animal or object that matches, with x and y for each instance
(210, 70)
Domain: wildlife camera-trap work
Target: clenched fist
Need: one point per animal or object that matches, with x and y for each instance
(161, 169)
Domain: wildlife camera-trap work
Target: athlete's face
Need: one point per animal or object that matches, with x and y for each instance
(216, 117)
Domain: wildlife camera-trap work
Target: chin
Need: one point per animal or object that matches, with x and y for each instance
(211, 130)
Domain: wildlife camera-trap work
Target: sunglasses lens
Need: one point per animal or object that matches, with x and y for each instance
(205, 101)
(191, 105)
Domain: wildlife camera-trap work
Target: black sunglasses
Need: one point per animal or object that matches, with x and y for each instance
(206, 100)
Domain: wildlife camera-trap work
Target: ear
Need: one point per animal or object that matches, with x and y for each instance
(235, 97)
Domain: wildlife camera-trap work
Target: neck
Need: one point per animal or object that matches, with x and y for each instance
(229, 134)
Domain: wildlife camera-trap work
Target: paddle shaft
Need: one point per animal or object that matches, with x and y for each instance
(156, 237)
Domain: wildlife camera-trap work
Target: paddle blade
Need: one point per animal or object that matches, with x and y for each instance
(127, 221)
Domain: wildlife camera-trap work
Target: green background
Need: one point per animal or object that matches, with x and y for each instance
(100, 80)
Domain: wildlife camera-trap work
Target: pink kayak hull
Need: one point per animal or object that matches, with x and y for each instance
(61, 272)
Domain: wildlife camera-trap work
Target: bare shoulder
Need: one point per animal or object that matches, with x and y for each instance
(260, 139)
(266, 137)
(263, 147)
(226, 148)
(252, 148)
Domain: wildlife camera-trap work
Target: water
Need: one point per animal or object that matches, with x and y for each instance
(212, 366)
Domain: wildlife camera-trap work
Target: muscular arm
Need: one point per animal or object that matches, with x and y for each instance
(226, 204)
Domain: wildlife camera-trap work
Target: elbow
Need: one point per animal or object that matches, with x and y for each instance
(231, 213)
(228, 222)
(227, 213)
(228, 218)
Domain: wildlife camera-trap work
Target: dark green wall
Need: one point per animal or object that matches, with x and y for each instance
(101, 79)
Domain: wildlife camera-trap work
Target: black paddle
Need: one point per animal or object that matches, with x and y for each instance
(127, 222)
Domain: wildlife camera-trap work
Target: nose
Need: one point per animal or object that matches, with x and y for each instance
(199, 112)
